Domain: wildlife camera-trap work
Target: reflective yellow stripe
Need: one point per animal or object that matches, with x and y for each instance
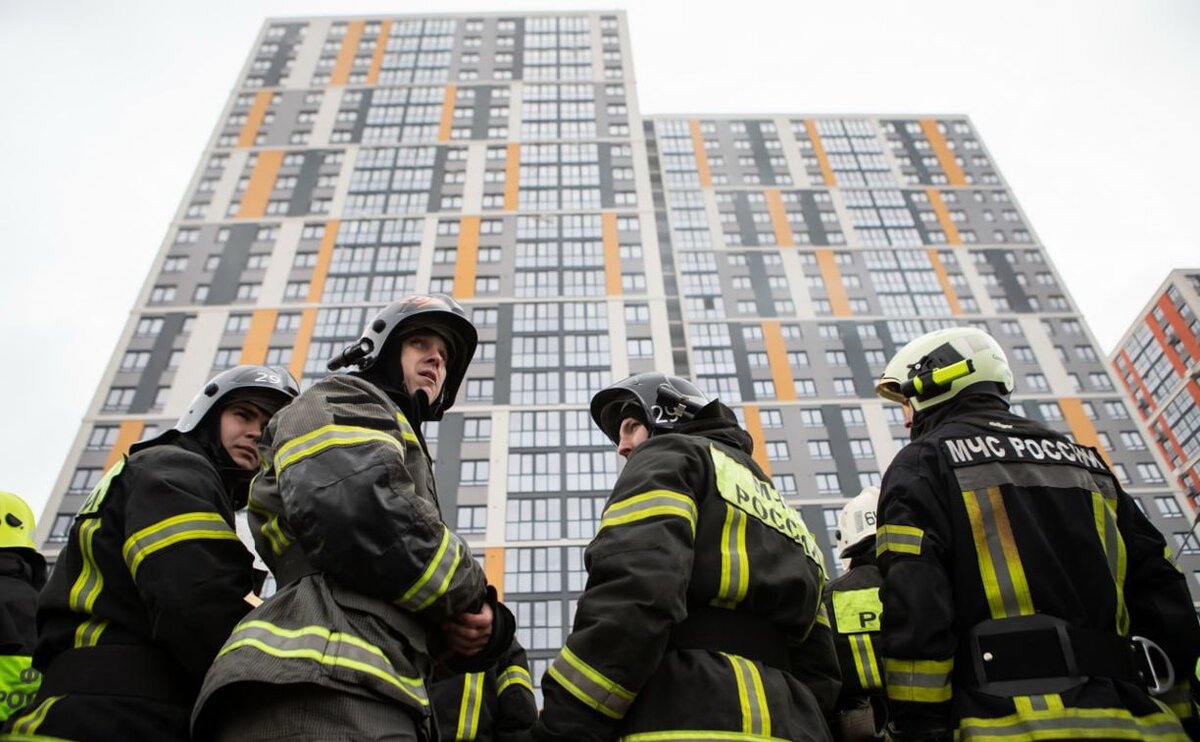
(1036, 704)
(29, 723)
(863, 650)
(857, 610)
(468, 712)
(756, 716)
(326, 647)
(514, 675)
(87, 633)
(692, 735)
(999, 563)
(406, 429)
(1104, 511)
(271, 529)
(90, 582)
(433, 583)
(735, 560)
(649, 505)
(823, 617)
(923, 681)
(1074, 723)
(173, 530)
(316, 441)
(96, 497)
(898, 539)
(589, 686)
(1179, 699)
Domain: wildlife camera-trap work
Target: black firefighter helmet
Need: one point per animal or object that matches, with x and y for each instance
(658, 400)
(436, 313)
(268, 387)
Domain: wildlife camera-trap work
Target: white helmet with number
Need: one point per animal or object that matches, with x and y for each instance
(856, 522)
(935, 367)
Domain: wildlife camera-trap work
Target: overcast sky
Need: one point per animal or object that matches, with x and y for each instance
(1090, 111)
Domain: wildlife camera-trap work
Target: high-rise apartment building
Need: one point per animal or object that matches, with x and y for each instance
(777, 259)
(1158, 361)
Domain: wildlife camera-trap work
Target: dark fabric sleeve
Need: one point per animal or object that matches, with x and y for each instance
(339, 460)
(814, 663)
(918, 603)
(516, 708)
(1160, 607)
(191, 571)
(639, 566)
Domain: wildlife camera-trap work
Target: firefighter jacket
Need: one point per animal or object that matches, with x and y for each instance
(496, 705)
(150, 583)
(19, 583)
(345, 514)
(990, 526)
(699, 619)
(853, 606)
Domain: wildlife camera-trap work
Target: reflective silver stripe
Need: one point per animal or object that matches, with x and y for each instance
(864, 659)
(468, 713)
(900, 539)
(514, 675)
(589, 686)
(923, 681)
(1075, 723)
(756, 717)
(1004, 583)
(318, 440)
(184, 527)
(735, 562)
(648, 505)
(87, 634)
(1104, 511)
(1024, 474)
(318, 644)
(433, 583)
(90, 582)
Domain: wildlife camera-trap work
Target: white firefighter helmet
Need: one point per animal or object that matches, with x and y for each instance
(856, 522)
(935, 367)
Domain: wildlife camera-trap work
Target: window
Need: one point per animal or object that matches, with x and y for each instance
(778, 450)
(480, 390)
(118, 399)
(61, 527)
(103, 437)
(1168, 507)
(819, 449)
(135, 360)
(1132, 440)
(861, 448)
(84, 479)
(477, 429)
(473, 472)
(237, 324)
(827, 484)
(472, 519)
(1150, 473)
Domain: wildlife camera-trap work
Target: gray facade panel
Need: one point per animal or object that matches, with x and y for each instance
(1018, 300)
(761, 285)
(435, 187)
(306, 182)
(482, 112)
(745, 219)
(607, 198)
(160, 355)
(745, 382)
(502, 385)
(223, 289)
(761, 157)
(360, 121)
(812, 219)
(864, 380)
(449, 465)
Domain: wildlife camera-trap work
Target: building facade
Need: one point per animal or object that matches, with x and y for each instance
(503, 159)
(1158, 362)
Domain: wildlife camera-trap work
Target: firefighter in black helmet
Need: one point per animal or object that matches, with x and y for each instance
(153, 577)
(1023, 590)
(372, 584)
(701, 619)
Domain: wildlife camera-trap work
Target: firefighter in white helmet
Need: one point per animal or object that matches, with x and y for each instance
(1020, 582)
(852, 602)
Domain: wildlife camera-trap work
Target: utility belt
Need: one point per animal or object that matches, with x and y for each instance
(733, 632)
(1029, 655)
(118, 670)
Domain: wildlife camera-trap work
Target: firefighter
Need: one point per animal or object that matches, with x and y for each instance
(496, 705)
(22, 575)
(1021, 585)
(852, 603)
(700, 615)
(372, 584)
(153, 577)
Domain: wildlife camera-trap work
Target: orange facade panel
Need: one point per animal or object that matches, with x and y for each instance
(316, 284)
(254, 119)
(781, 370)
(1190, 342)
(447, 121)
(819, 151)
(380, 49)
(943, 216)
(258, 337)
(945, 156)
(944, 280)
(779, 220)
(755, 429)
(493, 567)
(128, 434)
(466, 260)
(308, 321)
(345, 58)
(1081, 427)
(612, 255)
(1168, 349)
(262, 182)
(512, 177)
(833, 283)
(701, 154)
